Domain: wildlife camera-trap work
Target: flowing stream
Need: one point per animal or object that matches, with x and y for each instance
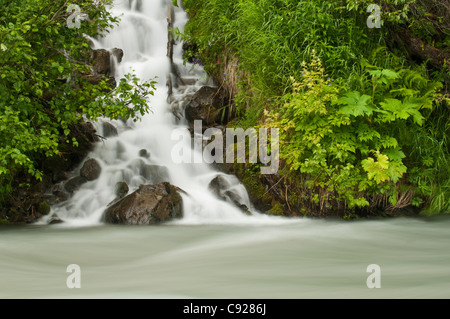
(215, 251)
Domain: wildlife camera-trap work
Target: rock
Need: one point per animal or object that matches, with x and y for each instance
(218, 186)
(58, 191)
(109, 130)
(101, 61)
(150, 204)
(155, 174)
(221, 188)
(144, 153)
(121, 189)
(43, 208)
(102, 68)
(237, 200)
(204, 105)
(55, 220)
(91, 170)
(74, 184)
(118, 54)
(61, 176)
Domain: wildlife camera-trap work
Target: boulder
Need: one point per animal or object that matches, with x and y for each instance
(91, 170)
(59, 194)
(220, 187)
(237, 200)
(150, 204)
(109, 130)
(144, 153)
(74, 184)
(54, 220)
(205, 105)
(43, 208)
(121, 189)
(118, 54)
(101, 61)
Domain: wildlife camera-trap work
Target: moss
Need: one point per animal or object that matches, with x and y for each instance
(277, 209)
(257, 191)
(43, 208)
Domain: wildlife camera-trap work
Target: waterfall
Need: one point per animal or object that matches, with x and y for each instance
(143, 36)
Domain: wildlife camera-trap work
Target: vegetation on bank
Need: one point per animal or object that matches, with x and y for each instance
(45, 90)
(363, 112)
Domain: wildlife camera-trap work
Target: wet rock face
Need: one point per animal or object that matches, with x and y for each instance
(73, 184)
(144, 153)
(121, 189)
(220, 187)
(118, 54)
(109, 130)
(101, 61)
(91, 170)
(150, 204)
(204, 105)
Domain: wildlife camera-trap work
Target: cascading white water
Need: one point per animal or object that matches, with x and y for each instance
(143, 35)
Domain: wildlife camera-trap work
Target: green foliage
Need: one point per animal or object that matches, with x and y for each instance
(358, 120)
(344, 141)
(43, 90)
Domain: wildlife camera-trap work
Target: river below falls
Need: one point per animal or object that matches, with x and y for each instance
(302, 258)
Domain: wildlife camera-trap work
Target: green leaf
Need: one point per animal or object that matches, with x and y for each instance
(403, 110)
(355, 104)
(394, 154)
(378, 170)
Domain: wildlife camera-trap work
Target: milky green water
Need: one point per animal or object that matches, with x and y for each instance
(305, 259)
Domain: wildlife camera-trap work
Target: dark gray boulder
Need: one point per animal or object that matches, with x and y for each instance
(109, 130)
(150, 204)
(218, 186)
(121, 189)
(101, 61)
(91, 170)
(221, 187)
(144, 153)
(74, 184)
(205, 105)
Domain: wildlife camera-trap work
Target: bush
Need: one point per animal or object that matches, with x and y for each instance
(42, 88)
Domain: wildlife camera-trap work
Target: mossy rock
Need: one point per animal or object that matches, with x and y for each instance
(44, 208)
